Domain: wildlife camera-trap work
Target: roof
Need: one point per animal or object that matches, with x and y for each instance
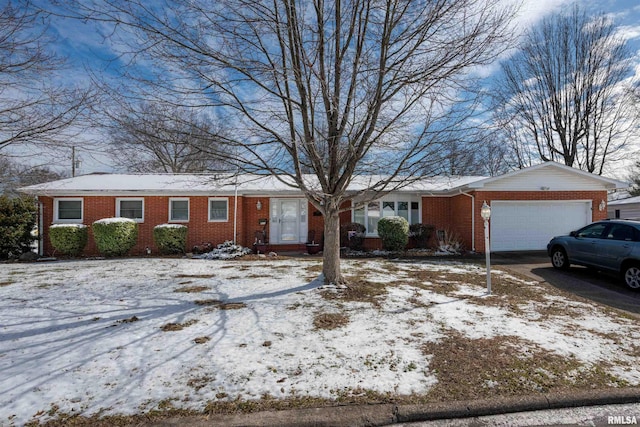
(150, 184)
(627, 201)
(228, 184)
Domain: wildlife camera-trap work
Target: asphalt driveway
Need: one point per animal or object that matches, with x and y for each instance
(600, 287)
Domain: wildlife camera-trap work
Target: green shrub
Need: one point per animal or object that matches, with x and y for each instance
(115, 236)
(70, 239)
(352, 236)
(394, 233)
(17, 220)
(421, 233)
(170, 238)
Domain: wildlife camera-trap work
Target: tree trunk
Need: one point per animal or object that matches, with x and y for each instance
(331, 254)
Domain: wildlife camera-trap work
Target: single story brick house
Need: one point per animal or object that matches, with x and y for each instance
(529, 206)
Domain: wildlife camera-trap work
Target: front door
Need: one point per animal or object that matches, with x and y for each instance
(288, 221)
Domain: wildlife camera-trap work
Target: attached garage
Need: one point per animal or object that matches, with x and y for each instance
(529, 225)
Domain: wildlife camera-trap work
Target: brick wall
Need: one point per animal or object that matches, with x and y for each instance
(445, 213)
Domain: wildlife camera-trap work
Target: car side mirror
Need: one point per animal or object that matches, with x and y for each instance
(574, 233)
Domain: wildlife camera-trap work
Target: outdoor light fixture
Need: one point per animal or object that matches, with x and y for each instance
(602, 205)
(259, 205)
(485, 213)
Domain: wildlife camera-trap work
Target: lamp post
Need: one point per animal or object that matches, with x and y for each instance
(485, 213)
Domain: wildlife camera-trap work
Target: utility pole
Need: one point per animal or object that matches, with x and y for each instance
(75, 163)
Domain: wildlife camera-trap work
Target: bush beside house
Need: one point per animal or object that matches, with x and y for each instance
(421, 234)
(17, 220)
(115, 236)
(70, 239)
(393, 232)
(170, 238)
(352, 236)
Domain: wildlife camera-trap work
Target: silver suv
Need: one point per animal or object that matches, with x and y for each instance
(605, 245)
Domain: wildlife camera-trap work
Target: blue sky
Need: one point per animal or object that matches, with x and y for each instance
(90, 50)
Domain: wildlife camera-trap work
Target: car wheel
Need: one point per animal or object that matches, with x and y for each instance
(559, 259)
(632, 276)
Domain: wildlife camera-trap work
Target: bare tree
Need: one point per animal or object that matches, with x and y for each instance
(157, 137)
(32, 108)
(561, 97)
(344, 88)
(14, 175)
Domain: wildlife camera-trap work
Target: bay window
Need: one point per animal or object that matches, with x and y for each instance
(369, 214)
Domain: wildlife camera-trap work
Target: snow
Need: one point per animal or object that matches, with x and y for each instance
(170, 226)
(86, 336)
(113, 220)
(68, 225)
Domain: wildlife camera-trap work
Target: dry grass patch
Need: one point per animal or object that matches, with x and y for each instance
(201, 340)
(217, 304)
(358, 291)
(191, 289)
(505, 366)
(194, 276)
(6, 283)
(330, 320)
(178, 326)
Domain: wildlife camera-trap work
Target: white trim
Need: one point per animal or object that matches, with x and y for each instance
(57, 220)
(179, 199)
(220, 199)
(130, 199)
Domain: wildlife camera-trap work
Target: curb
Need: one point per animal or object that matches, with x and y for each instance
(388, 414)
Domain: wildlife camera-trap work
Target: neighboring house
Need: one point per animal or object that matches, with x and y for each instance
(624, 208)
(529, 207)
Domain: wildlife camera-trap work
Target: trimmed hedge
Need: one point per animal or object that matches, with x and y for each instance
(115, 236)
(17, 220)
(357, 233)
(70, 239)
(170, 238)
(394, 233)
(421, 233)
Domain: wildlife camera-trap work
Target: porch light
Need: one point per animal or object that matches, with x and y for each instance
(602, 205)
(259, 205)
(485, 213)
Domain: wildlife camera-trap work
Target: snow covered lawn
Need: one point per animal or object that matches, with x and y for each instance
(128, 336)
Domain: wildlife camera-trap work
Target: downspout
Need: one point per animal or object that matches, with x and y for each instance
(40, 227)
(473, 219)
(235, 211)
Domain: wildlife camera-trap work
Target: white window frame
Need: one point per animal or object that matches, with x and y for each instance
(130, 199)
(395, 200)
(56, 210)
(179, 199)
(217, 199)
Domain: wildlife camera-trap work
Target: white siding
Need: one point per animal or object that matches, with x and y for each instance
(627, 211)
(550, 179)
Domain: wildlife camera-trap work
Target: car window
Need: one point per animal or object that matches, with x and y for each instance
(621, 232)
(592, 231)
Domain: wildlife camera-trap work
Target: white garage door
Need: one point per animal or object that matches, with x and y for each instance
(524, 226)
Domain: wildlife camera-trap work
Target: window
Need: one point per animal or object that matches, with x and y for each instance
(68, 210)
(179, 210)
(130, 208)
(218, 209)
(370, 214)
(621, 232)
(593, 231)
